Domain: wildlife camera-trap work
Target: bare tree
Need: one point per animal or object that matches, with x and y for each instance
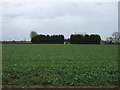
(33, 34)
(109, 39)
(116, 37)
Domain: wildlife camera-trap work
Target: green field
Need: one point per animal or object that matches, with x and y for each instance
(60, 65)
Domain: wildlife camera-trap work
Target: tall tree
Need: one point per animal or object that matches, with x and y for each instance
(33, 34)
(116, 37)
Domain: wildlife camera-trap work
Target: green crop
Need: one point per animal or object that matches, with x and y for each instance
(60, 65)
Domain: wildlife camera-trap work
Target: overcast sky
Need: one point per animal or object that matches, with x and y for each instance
(19, 19)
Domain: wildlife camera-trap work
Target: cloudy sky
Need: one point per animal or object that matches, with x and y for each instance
(19, 19)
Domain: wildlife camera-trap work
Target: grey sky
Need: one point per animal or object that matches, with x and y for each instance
(19, 19)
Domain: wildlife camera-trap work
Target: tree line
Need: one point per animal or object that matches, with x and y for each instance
(59, 39)
(47, 39)
(85, 39)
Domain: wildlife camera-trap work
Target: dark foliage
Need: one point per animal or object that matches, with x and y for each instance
(85, 39)
(74, 39)
(46, 39)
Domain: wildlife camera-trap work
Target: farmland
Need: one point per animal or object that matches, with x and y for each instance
(60, 65)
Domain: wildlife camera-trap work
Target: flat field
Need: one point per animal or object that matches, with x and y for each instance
(60, 65)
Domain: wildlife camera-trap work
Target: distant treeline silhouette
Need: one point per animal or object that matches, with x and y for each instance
(85, 39)
(47, 39)
(59, 39)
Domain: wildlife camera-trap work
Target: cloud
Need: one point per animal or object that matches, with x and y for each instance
(58, 18)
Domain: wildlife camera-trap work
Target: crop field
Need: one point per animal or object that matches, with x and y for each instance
(59, 65)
